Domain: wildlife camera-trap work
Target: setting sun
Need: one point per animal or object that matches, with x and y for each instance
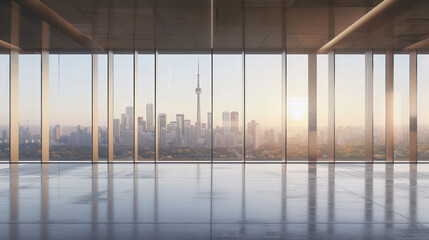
(297, 108)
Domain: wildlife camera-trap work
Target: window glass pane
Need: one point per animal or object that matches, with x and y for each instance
(263, 107)
(401, 86)
(123, 122)
(297, 107)
(102, 107)
(4, 107)
(322, 107)
(145, 111)
(185, 136)
(228, 105)
(70, 79)
(423, 107)
(379, 106)
(349, 107)
(29, 107)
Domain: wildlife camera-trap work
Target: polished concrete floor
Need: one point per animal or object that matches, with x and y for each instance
(223, 201)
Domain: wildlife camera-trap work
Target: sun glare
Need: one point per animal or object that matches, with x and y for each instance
(297, 108)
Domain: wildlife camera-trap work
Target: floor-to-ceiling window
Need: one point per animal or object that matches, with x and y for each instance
(123, 111)
(422, 107)
(349, 107)
(184, 106)
(297, 107)
(70, 107)
(379, 78)
(102, 107)
(322, 107)
(29, 107)
(145, 110)
(263, 89)
(227, 107)
(4, 107)
(401, 78)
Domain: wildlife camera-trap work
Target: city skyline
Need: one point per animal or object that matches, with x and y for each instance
(178, 103)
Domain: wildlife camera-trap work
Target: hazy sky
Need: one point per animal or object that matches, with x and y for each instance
(70, 88)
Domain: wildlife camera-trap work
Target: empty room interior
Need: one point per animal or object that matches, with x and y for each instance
(214, 119)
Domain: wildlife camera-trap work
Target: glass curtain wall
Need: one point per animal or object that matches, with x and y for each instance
(349, 107)
(297, 107)
(322, 107)
(401, 85)
(184, 107)
(145, 112)
(263, 111)
(123, 111)
(422, 107)
(379, 109)
(4, 107)
(227, 107)
(70, 79)
(29, 107)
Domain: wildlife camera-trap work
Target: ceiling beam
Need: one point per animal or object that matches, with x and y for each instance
(420, 44)
(56, 21)
(365, 19)
(7, 45)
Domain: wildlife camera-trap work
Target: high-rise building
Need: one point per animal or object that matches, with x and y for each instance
(129, 111)
(226, 118)
(4, 135)
(57, 133)
(187, 123)
(253, 134)
(149, 117)
(162, 126)
(124, 124)
(234, 122)
(162, 120)
(180, 127)
(209, 120)
(198, 92)
(116, 130)
(141, 125)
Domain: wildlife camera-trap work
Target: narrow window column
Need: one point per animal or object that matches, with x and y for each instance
(413, 106)
(135, 131)
(94, 108)
(312, 107)
(110, 138)
(284, 105)
(14, 105)
(14, 84)
(45, 92)
(369, 103)
(45, 105)
(389, 124)
(156, 116)
(331, 106)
